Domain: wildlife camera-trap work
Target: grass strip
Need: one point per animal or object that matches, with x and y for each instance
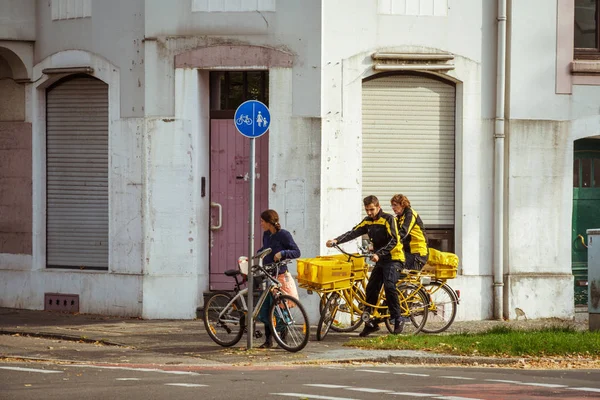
(497, 342)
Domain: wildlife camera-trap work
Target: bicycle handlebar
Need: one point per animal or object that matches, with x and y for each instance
(365, 255)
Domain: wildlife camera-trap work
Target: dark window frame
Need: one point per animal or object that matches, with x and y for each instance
(589, 53)
(226, 110)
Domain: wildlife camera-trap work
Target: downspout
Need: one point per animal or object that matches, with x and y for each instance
(498, 257)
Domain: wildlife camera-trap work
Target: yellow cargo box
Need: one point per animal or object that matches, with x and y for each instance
(440, 271)
(323, 269)
(359, 267)
(324, 286)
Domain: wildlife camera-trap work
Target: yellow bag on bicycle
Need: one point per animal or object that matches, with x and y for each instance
(437, 257)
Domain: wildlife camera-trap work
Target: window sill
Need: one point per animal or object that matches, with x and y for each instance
(585, 67)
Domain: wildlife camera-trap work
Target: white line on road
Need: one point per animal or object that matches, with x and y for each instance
(373, 371)
(41, 371)
(325, 385)
(502, 381)
(139, 369)
(128, 379)
(586, 389)
(456, 398)
(546, 385)
(311, 396)
(464, 378)
(409, 374)
(185, 384)
(368, 390)
(412, 394)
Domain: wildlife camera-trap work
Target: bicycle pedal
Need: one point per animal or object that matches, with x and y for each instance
(258, 334)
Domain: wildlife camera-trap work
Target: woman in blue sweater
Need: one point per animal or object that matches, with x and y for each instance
(283, 247)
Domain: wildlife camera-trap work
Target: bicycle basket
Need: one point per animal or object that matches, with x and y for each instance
(243, 264)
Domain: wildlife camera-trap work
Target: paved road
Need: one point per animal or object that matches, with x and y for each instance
(28, 381)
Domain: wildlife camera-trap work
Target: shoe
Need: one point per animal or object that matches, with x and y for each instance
(266, 345)
(399, 326)
(368, 329)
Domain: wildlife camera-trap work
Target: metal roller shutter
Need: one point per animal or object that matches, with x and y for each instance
(77, 174)
(408, 144)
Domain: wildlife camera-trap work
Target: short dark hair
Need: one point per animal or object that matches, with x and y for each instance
(371, 200)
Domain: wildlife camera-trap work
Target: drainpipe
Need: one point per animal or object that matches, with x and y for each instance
(498, 259)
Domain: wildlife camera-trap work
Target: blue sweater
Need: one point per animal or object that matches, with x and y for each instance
(280, 241)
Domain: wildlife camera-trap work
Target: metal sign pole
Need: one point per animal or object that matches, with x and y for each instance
(250, 317)
(252, 119)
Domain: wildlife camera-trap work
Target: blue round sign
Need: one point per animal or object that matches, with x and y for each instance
(252, 118)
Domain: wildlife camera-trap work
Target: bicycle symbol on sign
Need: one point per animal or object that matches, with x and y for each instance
(244, 119)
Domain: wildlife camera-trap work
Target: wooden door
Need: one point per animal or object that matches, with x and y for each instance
(230, 172)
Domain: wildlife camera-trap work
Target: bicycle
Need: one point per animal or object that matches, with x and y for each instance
(443, 299)
(225, 315)
(412, 298)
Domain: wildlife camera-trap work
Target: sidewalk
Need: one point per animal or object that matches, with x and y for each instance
(114, 340)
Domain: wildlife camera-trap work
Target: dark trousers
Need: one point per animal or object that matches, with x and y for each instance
(385, 273)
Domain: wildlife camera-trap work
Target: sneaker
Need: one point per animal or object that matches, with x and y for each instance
(368, 329)
(399, 326)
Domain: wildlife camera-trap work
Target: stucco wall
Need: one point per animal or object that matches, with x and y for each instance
(347, 62)
(295, 27)
(17, 19)
(115, 32)
(532, 63)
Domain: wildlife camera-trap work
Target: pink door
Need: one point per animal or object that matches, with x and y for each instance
(230, 189)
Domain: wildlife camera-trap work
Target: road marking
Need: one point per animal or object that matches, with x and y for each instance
(586, 389)
(547, 385)
(140, 369)
(458, 377)
(502, 381)
(41, 371)
(456, 398)
(311, 396)
(128, 379)
(368, 390)
(324, 385)
(185, 384)
(409, 374)
(373, 371)
(411, 394)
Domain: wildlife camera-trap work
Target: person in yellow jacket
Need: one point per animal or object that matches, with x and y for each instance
(388, 256)
(412, 233)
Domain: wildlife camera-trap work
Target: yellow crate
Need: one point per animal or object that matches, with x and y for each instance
(323, 269)
(441, 271)
(359, 267)
(321, 286)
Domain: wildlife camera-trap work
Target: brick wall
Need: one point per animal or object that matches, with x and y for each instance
(15, 188)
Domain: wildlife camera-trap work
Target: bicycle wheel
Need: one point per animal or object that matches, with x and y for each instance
(289, 323)
(414, 306)
(443, 302)
(224, 322)
(328, 315)
(348, 316)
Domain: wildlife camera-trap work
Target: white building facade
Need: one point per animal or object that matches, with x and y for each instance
(125, 184)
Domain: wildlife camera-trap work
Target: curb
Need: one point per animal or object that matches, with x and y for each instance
(62, 337)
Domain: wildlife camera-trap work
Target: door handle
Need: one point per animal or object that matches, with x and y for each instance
(582, 240)
(220, 207)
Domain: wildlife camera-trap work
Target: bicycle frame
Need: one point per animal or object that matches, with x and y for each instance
(241, 294)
